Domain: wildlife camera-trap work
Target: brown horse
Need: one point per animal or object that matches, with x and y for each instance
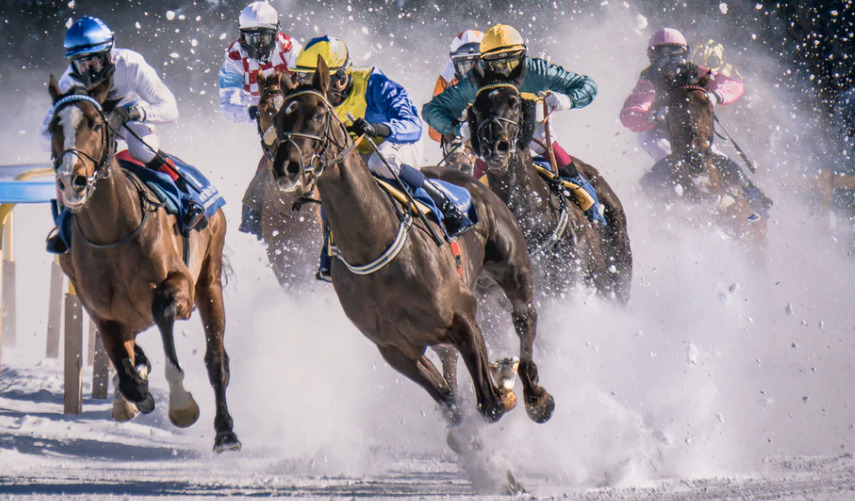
(290, 222)
(693, 172)
(125, 262)
(395, 283)
(560, 239)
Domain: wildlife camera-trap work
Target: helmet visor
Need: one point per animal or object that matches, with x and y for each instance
(502, 67)
(258, 42)
(666, 50)
(463, 64)
(304, 77)
(89, 65)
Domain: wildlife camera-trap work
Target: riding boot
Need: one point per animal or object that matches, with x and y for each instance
(585, 196)
(54, 244)
(456, 222)
(325, 263)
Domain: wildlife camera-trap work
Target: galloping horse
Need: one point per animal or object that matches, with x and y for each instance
(395, 283)
(290, 222)
(125, 262)
(559, 237)
(694, 172)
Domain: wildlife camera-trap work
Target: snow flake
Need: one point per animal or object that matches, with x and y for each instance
(723, 7)
(170, 15)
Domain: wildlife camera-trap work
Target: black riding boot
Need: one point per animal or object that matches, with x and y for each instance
(54, 244)
(195, 212)
(456, 222)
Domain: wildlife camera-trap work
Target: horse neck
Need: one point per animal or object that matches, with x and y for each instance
(112, 211)
(520, 186)
(358, 212)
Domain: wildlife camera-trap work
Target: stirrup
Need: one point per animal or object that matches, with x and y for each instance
(323, 274)
(193, 216)
(54, 244)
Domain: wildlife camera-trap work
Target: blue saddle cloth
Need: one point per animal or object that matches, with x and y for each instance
(458, 195)
(176, 201)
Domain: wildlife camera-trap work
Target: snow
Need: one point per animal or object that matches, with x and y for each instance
(720, 379)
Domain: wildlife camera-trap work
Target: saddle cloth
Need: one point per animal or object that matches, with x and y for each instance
(176, 200)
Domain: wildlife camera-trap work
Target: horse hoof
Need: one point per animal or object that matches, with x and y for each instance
(123, 410)
(226, 441)
(184, 418)
(147, 404)
(541, 413)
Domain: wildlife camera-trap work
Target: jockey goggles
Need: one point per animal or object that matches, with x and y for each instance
(503, 63)
(463, 64)
(258, 42)
(91, 64)
(666, 50)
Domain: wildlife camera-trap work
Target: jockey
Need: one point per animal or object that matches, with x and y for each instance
(502, 50)
(711, 55)
(464, 55)
(373, 105)
(668, 50)
(261, 46)
(143, 98)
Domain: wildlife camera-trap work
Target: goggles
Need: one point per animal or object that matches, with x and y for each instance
(258, 38)
(660, 51)
(91, 64)
(464, 64)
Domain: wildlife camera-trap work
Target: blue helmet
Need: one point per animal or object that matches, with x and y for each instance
(87, 36)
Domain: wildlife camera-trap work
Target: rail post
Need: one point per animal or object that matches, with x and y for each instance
(73, 377)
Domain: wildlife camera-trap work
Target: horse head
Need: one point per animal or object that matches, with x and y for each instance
(497, 117)
(306, 127)
(82, 144)
(690, 124)
(269, 101)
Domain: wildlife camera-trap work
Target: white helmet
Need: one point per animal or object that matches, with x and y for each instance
(259, 15)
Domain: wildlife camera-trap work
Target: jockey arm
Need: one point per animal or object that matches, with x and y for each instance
(442, 111)
(542, 75)
(158, 103)
(438, 88)
(726, 89)
(234, 101)
(389, 104)
(637, 111)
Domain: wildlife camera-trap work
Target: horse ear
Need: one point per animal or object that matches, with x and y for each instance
(321, 80)
(286, 83)
(477, 74)
(518, 74)
(101, 91)
(53, 89)
(261, 79)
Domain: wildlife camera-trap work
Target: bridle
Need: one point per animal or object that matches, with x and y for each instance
(108, 143)
(488, 128)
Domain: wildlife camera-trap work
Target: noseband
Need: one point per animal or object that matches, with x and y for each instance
(108, 142)
(490, 127)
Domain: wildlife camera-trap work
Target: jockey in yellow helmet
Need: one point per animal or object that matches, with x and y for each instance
(371, 104)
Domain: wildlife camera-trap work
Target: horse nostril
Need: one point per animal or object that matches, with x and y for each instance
(293, 167)
(503, 147)
(78, 182)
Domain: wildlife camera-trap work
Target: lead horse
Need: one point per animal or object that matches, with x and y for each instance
(563, 244)
(395, 283)
(125, 262)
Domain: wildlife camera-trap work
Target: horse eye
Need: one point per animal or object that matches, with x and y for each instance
(319, 117)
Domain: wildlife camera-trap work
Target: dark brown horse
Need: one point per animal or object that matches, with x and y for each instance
(395, 283)
(126, 262)
(693, 172)
(562, 242)
(290, 221)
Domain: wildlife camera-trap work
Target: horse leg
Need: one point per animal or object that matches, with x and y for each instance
(171, 300)
(422, 371)
(209, 300)
(469, 341)
(132, 370)
(448, 358)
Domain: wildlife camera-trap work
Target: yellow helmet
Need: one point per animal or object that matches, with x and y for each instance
(333, 50)
(501, 41)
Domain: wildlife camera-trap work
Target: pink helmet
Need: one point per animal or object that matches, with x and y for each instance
(667, 36)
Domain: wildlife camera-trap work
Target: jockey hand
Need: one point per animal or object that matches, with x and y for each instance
(660, 115)
(714, 99)
(123, 114)
(556, 101)
(362, 126)
(465, 134)
(253, 113)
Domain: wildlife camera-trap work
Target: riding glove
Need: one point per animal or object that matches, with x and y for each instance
(123, 114)
(253, 113)
(362, 126)
(714, 99)
(556, 101)
(465, 134)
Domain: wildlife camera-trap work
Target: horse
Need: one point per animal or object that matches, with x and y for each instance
(126, 263)
(693, 172)
(290, 222)
(399, 283)
(560, 239)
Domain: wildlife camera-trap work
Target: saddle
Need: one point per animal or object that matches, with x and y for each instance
(424, 204)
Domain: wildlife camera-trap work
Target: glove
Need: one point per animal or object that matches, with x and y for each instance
(556, 101)
(714, 99)
(362, 126)
(253, 113)
(465, 134)
(660, 115)
(123, 114)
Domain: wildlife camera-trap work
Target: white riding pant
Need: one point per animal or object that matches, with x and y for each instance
(397, 154)
(138, 150)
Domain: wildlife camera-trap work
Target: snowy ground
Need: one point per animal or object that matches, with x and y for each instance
(720, 380)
